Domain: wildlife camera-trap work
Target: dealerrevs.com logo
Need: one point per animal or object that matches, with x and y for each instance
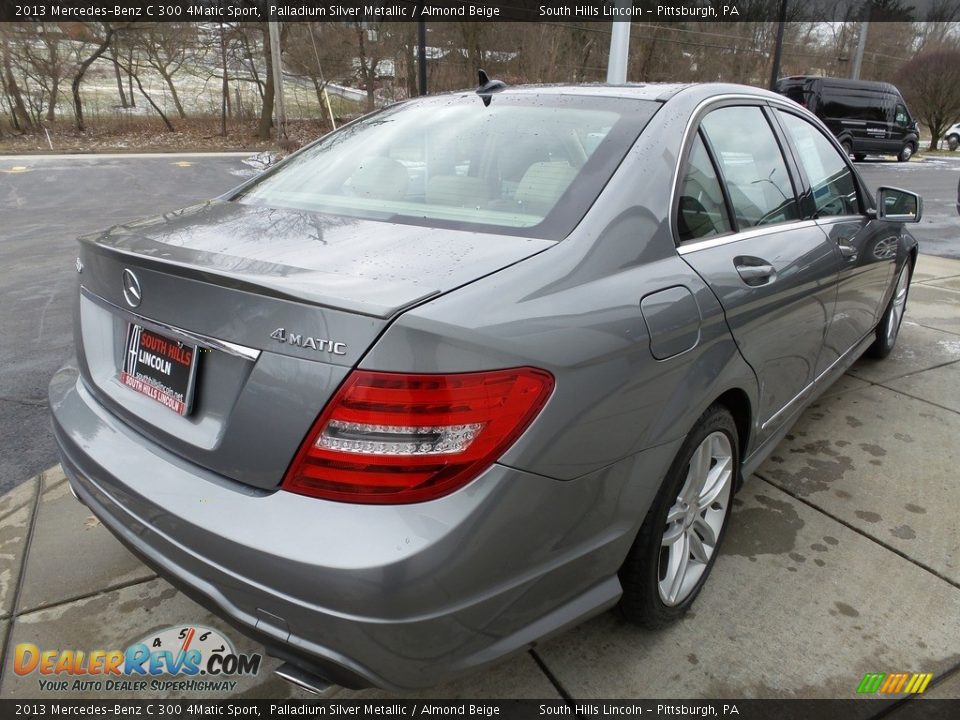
(203, 655)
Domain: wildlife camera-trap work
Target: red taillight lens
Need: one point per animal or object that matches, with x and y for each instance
(398, 438)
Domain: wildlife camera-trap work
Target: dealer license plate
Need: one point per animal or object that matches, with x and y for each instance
(161, 368)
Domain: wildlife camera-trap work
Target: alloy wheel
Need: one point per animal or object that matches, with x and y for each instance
(898, 306)
(695, 520)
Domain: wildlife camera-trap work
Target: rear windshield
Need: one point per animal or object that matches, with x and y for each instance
(525, 164)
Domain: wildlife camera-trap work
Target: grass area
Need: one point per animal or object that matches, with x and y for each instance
(136, 133)
(942, 152)
(112, 128)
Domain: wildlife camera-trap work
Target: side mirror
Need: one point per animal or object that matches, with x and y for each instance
(895, 205)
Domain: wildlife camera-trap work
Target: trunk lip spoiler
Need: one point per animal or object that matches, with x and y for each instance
(93, 243)
(242, 351)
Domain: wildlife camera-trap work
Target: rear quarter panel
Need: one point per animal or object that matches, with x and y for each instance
(575, 310)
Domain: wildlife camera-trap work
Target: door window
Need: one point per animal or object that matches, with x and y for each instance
(752, 166)
(831, 181)
(902, 117)
(702, 211)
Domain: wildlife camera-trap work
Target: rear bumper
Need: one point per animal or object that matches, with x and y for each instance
(400, 597)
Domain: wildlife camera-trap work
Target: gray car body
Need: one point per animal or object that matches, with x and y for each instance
(408, 596)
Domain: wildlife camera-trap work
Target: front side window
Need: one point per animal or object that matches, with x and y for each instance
(831, 181)
(902, 118)
(523, 165)
(701, 211)
(752, 166)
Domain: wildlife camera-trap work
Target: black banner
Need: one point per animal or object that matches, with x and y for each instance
(712, 11)
(903, 709)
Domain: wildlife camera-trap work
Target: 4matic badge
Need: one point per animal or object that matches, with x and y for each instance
(309, 343)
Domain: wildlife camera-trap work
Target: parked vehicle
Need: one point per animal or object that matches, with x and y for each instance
(866, 117)
(472, 369)
(952, 136)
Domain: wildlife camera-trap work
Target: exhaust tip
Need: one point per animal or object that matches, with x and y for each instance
(304, 680)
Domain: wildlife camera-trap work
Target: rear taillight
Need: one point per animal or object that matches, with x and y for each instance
(399, 438)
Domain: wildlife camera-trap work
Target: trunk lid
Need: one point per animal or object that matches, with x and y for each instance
(280, 305)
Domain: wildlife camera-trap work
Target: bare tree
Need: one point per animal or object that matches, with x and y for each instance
(266, 110)
(315, 51)
(115, 56)
(136, 78)
(931, 85)
(44, 62)
(21, 118)
(368, 58)
(164, 47)
(101, 44)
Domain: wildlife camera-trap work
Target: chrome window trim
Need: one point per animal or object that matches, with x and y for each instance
(230, 348)
(755, 100)
(692, 246)
(831, 219)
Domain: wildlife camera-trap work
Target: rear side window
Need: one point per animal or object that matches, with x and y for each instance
(702, 211)
(752, 166)
(853, 103)
(831, 181)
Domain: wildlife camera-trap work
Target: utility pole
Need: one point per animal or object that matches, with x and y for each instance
(277, 79)
(619, 47)
(861, 43)
(778, 47)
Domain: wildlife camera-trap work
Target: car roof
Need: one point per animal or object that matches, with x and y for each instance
(660, 92)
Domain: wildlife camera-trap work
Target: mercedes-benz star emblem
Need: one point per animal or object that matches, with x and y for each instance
(131, 288)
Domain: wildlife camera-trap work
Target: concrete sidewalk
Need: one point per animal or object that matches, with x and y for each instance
(843, 558)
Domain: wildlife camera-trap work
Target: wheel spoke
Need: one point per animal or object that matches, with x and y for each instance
(697, 475)
(706, 533)
(675, 514)
(677, 567)
(717, 482)
(697, 547)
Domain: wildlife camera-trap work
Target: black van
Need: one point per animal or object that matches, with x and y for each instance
(866, 117)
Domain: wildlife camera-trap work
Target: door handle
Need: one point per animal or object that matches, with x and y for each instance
(754, 271)
(755, 274)
(848, 252)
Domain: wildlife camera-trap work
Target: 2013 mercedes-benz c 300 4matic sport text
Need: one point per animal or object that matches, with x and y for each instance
(474, 367)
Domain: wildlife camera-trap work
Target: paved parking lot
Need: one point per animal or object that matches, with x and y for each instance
(843, 556)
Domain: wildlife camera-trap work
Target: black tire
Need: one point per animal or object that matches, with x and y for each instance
(847, 146)
(859, 157)
(907, 152)
(884, 341)
(953, 141)
(640, 573)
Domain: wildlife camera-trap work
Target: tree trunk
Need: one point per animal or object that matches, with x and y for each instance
(78, 78)
(173, 93)
(253, 65)
(21, 118)
(225, 86)
(54, 96)
(133, 101)
(266, 111)
(116, 70)
(368, 72)
(166, 120)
